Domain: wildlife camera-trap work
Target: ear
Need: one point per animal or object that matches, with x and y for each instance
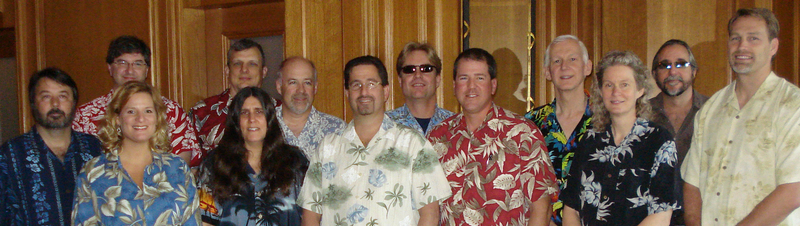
(386, 93)
(109, 70)
(264, 71)
(438, 80)
(587, 68)
(547, 75)
(278, 84)
(639, 93)
(494, 86)
(773, 45)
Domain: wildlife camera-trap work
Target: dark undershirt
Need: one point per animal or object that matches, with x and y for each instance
(423, 122)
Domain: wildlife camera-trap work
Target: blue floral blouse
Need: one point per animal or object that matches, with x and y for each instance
(106, 195)
(622, 184)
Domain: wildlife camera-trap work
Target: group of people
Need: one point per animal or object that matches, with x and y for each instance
(607, 156)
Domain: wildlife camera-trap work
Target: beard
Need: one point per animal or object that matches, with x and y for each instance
(297, 108)
(365, 109)
(47, 120)
(684, 86)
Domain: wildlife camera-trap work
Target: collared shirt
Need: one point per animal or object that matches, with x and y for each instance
(403, 116)
(209, 116)
(317, 126)
(106, 193)
(739, 156)
(622, 184)
(89, 116)
(683, 135)
(496, 172)
(560, 146)
(35, 185)
(252, 206)
(385, 182)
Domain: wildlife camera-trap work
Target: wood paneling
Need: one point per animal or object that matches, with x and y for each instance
(787, 61)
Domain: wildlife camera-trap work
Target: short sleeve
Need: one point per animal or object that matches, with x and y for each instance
(662, 176)
(82, 206)
(788, 151)
(570, 195)
(10, 207)
(536, 163)
(182, 135)
(310, 197)
(429, 183)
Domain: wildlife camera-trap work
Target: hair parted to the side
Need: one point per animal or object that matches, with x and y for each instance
(476, 54)
(127, 44)
(243, 44)
(365, 60)
(773, 27)
(673, 42)
(227, 164)
(601, 118)
(55, 74)
(108, 130)
(414, 46)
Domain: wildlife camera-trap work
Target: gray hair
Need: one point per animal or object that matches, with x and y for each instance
(287, 60)
(561, 39)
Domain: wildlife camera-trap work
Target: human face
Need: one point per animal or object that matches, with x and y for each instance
(567, 69)
(620, 92)
(749, 48)
(419, 85)
(54, 104)
(253, 122)
(368, 99)
(474, 86)
(674, 81)
(128, 67)
(297, 86)
(244, 69)
(138, 119)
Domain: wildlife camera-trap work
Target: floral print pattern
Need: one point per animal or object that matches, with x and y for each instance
(106, 195)
(495, 172)
(209, 116)
(318, 125)
(403, 116)
(622, 184)
(384, 182)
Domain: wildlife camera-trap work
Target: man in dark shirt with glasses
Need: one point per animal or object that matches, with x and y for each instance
(674, 68)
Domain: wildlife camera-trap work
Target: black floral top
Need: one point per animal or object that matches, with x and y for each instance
(622, 185)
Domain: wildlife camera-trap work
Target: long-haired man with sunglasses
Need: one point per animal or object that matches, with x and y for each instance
(419, 67)
(674, 69)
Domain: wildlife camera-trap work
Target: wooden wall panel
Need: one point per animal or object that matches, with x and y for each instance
(314, 31)
(787, 61)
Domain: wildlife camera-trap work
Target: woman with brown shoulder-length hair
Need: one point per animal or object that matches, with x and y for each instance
(137, 181)
(253, 177)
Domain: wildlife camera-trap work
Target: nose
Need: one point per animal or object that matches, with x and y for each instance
(615, 91)
(55, 102)
(139, 117)
(244, 68)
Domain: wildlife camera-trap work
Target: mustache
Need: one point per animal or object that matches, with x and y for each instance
(56, 111)
(300, 95)
(673, 78)
(366, 97)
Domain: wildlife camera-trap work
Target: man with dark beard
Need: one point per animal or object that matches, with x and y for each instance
(37, 169)
(674, 69)
(302, 124)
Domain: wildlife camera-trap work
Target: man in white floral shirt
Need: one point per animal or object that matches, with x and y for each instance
(374, 171)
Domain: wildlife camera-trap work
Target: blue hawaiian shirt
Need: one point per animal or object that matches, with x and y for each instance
(318, 125)
(106, 195)
(36, 186)
(403, 116)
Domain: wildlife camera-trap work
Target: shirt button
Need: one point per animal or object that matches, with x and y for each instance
(724, 167)
(608, 175)
(260, 216)
(730, 142)
(717, 193)
(605, 197)
(715, 219)
(69, 191)
(737, 117)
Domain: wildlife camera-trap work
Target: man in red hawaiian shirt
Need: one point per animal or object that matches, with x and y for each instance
(246, 67)
(128, 59)
(496, 161)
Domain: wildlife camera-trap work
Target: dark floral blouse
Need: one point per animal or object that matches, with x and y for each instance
(622, 185)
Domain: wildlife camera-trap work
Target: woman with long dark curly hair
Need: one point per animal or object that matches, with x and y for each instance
(253, 176)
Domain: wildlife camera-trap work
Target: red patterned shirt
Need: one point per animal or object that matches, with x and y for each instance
(496, 173)
(89, 116)
(209, 118)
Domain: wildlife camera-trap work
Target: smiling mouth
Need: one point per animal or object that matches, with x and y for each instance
(252, 129)
(140, 127)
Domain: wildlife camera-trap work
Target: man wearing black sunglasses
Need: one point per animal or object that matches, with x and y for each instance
(674, 68)
(419, 67)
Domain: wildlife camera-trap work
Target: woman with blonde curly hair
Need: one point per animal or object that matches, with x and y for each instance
(136, 181)
(623, 170)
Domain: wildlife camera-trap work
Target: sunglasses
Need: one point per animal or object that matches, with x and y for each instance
(664, 65)
(410, 69)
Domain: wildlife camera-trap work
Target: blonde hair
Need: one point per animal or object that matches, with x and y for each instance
(600, 116)
(108, 133)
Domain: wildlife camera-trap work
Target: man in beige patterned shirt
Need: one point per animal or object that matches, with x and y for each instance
(742, 166)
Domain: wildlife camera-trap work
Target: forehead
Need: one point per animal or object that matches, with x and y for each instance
(130, 57)
(249, 53)
(297, 69)
(749, 25)
(618, 73)
(364, 72)
(472, 66)
(251, 102)
(50, 85)
(140, 99)
(673, 52)
(565, 47)
(417, 57)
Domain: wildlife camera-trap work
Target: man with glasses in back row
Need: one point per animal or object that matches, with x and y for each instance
(674, 68)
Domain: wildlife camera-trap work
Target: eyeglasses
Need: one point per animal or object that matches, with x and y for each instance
(136, 64)
(410, 69)
(665, 65)
(356, 86)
